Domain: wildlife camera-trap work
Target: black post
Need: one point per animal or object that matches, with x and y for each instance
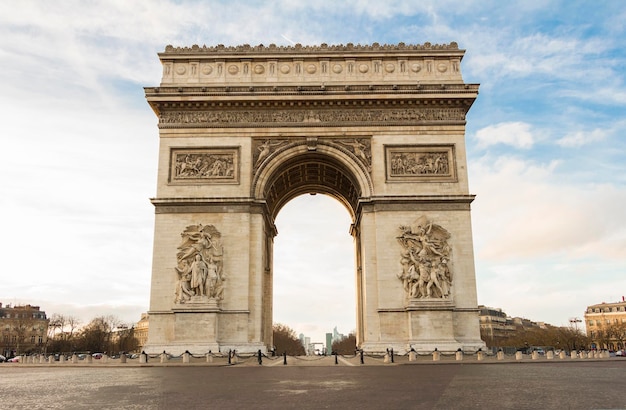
(229, 356)
(284, 357)
(260, 356)
(335, 353)
(392, 355)
(362, 362)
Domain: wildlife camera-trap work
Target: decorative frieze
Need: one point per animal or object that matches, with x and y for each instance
(420, 163)
(310, 117)
(204, 165)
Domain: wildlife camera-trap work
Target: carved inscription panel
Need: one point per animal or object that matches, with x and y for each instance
(204, 165)
(419, 163)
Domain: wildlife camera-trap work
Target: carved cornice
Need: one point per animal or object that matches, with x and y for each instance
(317, 49)
(311, 106)
(318, 89)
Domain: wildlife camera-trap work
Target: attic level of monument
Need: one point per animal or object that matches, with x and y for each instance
(323, 65)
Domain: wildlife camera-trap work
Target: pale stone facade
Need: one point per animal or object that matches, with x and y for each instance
(606, 325)
(245, 129)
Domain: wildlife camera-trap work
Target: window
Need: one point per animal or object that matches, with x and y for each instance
(591, 323)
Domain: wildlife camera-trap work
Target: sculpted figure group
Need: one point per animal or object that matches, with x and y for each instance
(199, 268)
(424, 259)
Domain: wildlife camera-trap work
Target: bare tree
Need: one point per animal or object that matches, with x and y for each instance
(285, 340)
(346, 346)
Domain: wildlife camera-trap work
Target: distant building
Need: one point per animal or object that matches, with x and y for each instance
(141, 331)
(24, 330)
(496, 325)
(606, 325)
(329, 343)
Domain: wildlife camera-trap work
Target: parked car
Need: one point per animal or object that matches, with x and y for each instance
(15, 359)
(620, 353)
(2, 359)
(97, 355)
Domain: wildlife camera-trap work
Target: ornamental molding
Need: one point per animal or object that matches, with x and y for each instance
(310, 117)
(299, 48)
(280, 64)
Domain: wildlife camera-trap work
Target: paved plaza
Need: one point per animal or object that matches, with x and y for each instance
(575, 384)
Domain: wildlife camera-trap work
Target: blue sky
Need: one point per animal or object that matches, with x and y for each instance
(545, 149)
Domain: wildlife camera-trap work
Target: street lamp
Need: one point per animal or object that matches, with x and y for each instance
(575, 321)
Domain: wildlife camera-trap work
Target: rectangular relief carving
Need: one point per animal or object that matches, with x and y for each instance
(420, 163)
(204, 165)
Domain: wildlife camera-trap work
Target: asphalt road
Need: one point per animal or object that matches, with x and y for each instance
(545, 385)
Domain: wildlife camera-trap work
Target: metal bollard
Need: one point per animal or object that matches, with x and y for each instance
(392, 355)
(335, 353)
(362, 362)
(260, 355)
(284, 358)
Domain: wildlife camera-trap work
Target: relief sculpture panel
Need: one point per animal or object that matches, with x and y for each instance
(204, 165)
(199, 267)
(425, 257)
(420, 163)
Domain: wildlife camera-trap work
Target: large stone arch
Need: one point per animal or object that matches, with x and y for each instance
(245, 129)
(312, 167)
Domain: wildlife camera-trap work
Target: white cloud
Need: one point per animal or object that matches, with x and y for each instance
(515, 134)
(523, 210)
(580, 138)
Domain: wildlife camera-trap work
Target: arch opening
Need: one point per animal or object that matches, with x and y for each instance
(314, 269)
(311, 173)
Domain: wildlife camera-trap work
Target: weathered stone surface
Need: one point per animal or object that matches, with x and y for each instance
(245, 129)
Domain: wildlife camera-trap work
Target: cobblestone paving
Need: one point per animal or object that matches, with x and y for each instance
(314, 383)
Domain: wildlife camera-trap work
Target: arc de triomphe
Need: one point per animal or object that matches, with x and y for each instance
(245, 129)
